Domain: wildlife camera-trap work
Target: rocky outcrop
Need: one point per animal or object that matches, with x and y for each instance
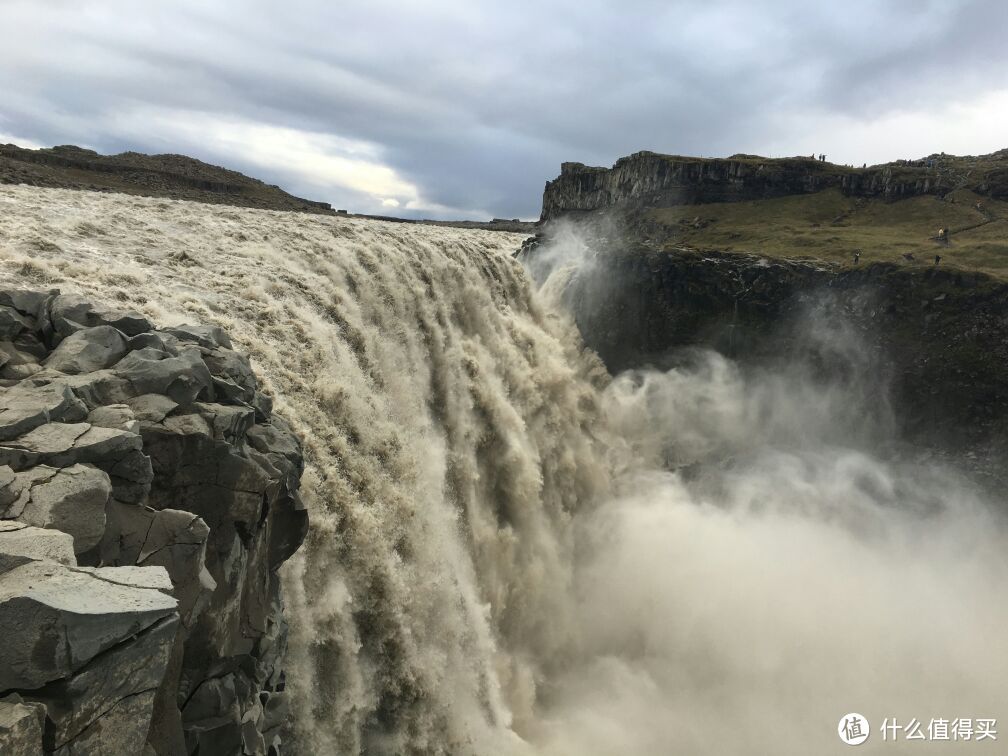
(648, 179)
(148, 497)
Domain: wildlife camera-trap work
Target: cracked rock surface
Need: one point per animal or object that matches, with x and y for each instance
(148, 497)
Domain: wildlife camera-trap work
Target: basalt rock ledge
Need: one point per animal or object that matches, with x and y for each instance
(148, 497)
(649, 179)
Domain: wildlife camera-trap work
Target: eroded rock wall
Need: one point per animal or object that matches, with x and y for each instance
(148, 497)
(648, 179)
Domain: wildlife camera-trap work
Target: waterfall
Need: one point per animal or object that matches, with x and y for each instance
(512, 552)
(447, 420)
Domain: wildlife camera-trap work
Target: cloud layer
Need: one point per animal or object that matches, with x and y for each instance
(456, 109)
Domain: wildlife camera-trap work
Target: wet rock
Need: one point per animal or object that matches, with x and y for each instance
(31, 303)
(228, 422)
(232, 374)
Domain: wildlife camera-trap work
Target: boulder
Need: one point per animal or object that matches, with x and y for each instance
(13, 355)
(169, 538)
(35, 304)
(8, 492)
(87, 350)
(151, 407)
(92, 389)
(228, 422)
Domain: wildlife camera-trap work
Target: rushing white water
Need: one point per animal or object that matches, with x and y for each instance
(500, 558)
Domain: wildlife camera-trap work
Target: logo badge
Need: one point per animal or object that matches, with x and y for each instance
(853, 729)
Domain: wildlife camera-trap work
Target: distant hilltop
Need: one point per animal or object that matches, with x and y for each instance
(170, 176)
(649, 179)
(179, 177)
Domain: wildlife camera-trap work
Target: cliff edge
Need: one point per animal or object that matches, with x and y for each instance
(148, 497)
(649, 179)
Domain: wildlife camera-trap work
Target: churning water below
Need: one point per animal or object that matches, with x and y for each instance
(513, 553)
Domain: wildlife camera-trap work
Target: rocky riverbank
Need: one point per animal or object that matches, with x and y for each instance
(148, 497)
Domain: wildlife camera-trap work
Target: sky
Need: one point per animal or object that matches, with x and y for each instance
(464, 109)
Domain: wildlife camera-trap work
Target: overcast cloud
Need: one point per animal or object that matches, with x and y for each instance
(464, 109)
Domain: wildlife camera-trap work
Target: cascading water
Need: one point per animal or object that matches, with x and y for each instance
(512, 553)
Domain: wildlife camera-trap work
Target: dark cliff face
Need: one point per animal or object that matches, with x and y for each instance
(933, 342)
(148, 497)
(647, 179)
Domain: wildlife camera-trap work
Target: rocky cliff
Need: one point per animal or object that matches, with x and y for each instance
(648, 179)
(148, 496)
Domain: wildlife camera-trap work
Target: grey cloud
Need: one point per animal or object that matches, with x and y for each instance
(477, 106)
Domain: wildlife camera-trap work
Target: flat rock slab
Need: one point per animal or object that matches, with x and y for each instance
(54, 619)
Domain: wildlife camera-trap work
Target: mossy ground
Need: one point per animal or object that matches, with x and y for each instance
(829, 226)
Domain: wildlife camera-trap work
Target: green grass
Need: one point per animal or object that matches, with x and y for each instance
(828, 226)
